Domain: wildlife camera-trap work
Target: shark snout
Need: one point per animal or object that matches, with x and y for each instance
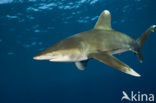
(36, 57)
(42, 57)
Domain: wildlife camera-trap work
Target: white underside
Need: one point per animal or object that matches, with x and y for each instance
(68, 59)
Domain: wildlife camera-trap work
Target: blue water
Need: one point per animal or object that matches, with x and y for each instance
(26, 28)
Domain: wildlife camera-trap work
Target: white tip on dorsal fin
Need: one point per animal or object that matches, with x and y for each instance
(104, 21)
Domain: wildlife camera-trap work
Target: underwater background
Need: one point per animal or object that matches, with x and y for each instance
(29, 26)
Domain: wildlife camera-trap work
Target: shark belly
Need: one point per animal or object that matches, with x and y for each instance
(67, 58)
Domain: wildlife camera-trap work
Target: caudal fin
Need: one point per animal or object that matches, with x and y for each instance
(142, 39)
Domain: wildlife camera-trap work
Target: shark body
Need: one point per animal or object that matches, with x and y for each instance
(99, 43)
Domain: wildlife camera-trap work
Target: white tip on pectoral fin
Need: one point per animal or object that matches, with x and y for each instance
(131, 72)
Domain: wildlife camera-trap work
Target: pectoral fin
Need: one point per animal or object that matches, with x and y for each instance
(81, 65)
(113, 62)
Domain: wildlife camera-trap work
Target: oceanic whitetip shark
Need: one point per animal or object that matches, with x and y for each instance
(100, 43)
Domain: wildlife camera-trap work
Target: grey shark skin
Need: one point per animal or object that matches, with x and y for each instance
(100, 43)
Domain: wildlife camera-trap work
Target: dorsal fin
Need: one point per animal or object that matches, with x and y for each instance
(104, 21)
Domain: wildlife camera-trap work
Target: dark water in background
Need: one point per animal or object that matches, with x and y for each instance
(26, 28)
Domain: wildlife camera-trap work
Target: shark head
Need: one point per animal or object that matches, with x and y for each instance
(48, 55)
(60, 56)
(64, 51)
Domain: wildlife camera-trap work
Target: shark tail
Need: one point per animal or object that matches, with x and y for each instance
(142, 39)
